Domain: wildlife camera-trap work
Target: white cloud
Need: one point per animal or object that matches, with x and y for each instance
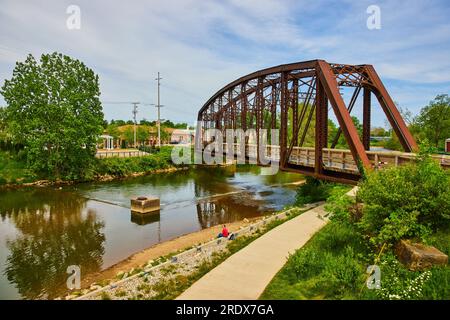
(199, 46)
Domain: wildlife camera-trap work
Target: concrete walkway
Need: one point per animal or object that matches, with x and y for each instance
(245, 274)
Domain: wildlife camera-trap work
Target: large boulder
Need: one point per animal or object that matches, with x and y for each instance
(416, 256)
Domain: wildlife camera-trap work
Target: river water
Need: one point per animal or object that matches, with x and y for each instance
(45, 230)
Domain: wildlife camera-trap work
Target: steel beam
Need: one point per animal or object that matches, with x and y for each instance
(366, 118)
(394, 117)
(326, 76)
(321, 127)
(283, 125)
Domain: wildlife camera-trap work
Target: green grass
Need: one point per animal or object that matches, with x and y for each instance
(332, 265)
(329, 266)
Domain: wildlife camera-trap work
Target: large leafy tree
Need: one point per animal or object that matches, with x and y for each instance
(433, 122)
(53, 109)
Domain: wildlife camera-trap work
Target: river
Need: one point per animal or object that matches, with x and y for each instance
(44, 230)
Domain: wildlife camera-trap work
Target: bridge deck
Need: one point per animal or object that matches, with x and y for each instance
(339, 160)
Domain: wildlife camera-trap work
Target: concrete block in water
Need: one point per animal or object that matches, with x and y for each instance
(145, 204)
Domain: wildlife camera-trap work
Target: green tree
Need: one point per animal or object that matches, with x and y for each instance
(434, 121)
(143, 134)
(2, 124)
(113, 130)
(128, 135)
(333, 130)
(379, 132)
(53, 109)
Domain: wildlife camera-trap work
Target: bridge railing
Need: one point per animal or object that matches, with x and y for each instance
(342, 159)
(335, 159)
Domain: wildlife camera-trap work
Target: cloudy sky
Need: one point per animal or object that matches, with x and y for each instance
(199, 46)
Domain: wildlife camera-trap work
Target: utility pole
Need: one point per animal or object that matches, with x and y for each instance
(135, 106)
(159, 112)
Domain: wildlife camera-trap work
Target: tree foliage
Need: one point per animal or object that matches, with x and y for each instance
(53, 109)
(434, 121)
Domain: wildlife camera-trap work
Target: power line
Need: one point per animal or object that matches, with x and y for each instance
(159, 106)
(134, 112)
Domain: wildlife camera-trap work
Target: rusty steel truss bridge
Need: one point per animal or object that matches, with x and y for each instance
(296, 99)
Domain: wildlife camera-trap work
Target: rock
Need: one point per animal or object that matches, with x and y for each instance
(245, 220)
(416, 256)
(95, 287)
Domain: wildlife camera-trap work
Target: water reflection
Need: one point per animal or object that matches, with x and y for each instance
(232, 207)
(56, 231)
(145, 218)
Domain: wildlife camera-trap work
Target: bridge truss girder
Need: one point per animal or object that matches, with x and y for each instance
(288, 97)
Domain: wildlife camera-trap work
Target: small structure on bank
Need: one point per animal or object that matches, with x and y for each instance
(107, 141)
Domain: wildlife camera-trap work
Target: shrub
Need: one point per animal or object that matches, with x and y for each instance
(313, 190)
(342, 273)
(338, 204)
(121, 167)
(406, 201)
(305, 264)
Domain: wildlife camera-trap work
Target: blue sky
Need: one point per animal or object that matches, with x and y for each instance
(199, 46)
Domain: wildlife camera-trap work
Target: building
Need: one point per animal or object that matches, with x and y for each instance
(122, 137)
(182, 136)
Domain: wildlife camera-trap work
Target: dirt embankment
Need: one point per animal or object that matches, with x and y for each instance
(161, 249)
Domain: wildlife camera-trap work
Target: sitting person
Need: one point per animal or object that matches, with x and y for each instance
(224, 232)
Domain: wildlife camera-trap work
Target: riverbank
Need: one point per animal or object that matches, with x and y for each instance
(102, 178)
(14, 173)
(171, 247)
(168, 276)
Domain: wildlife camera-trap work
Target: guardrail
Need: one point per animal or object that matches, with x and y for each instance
(335, 159)
(119, 154)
